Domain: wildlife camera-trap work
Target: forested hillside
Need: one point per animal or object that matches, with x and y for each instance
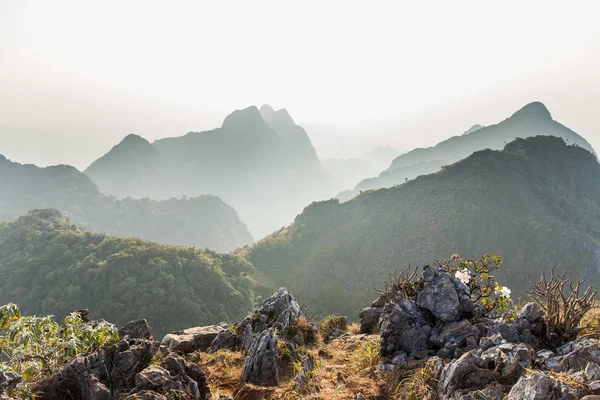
(50, 266)
(204, 221)
(532, 120)
(536, 203)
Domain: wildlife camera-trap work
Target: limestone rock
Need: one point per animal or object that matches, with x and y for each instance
(439, 295)
(369, 319)
(280, 308)
(193, 339)
(403, 328)
(468, 372)
(260, 367)
(539, 386)
(137, 330)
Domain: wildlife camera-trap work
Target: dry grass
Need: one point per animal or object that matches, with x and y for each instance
(333, 377)
(417, 386)
(354, 328)
(333, 322)
(571, 380)
(365, 356)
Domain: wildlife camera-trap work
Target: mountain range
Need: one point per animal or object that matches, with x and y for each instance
(532, 120)
(536, 203)
(259, 161)
(204, 221)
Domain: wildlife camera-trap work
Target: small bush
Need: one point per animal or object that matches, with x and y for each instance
(333, 322)
(564, 307)
(32, 346)
(418, 386)
(365, 356)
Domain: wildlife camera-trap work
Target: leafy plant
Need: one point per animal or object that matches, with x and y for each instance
(32, 346)
(488, 296)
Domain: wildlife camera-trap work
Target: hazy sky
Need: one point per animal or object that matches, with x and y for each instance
(77, 76)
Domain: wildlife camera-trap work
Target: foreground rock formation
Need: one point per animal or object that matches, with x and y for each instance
(428, 345)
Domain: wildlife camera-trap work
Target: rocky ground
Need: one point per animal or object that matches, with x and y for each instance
(427, 345)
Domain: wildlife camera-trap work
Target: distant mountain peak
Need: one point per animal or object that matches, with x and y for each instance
(2, 158)
(283, 117)
(244, 120)
(133, 140)
(267, 112)
(474, 128)
(533, 110)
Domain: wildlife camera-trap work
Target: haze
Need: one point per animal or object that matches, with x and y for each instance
(76, 77)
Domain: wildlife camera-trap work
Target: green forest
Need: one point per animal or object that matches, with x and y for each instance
(50, 265)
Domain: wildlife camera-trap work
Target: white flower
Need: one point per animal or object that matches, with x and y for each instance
(463, 276)
(503, 291)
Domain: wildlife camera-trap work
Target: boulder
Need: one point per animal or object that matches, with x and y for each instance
(468, 372)
(403, 328)
(280, 308)
(137, 330)
(459, 335)
(190, 373)
(225, 339)
(369, 319)
(260, 367)
(333, 334)
(8, 381)
(440, 296)
(539, 386)
(193, 339)
(158, 379)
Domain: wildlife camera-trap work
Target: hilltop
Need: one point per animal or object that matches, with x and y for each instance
(536, 203)
(49, 265)
(534, 119)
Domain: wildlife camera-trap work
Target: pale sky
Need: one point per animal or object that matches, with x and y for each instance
(77, 76)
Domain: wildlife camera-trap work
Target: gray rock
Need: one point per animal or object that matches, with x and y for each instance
(369, 319)
(584, 351)
(539, 386)
(454, 335)
(260, 367)
(307, 368)
(280, 308)
(8, 381)
(190, 373)
(137, 330)
(334, 334)
(158, 379)
(403, 328)
(246, 339)
(531, 312)
(192, 339)
(468, 372)
(438, 295)
(225, 339)
(592, 372)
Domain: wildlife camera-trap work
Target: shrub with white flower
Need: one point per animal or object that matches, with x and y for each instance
(488, 296)
(463, 275)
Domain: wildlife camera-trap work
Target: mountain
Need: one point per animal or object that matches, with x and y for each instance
(133, 158)
(532, 120)
(259, 161)
(204, 221)
(51, 266)
(536, 203)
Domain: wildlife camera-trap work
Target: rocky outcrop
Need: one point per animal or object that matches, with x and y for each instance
(193, 339)
(369, 319)
(137, 330)
(540, 386)
(444, 296)
(404, 329)
(260, 367)
(280, 308)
